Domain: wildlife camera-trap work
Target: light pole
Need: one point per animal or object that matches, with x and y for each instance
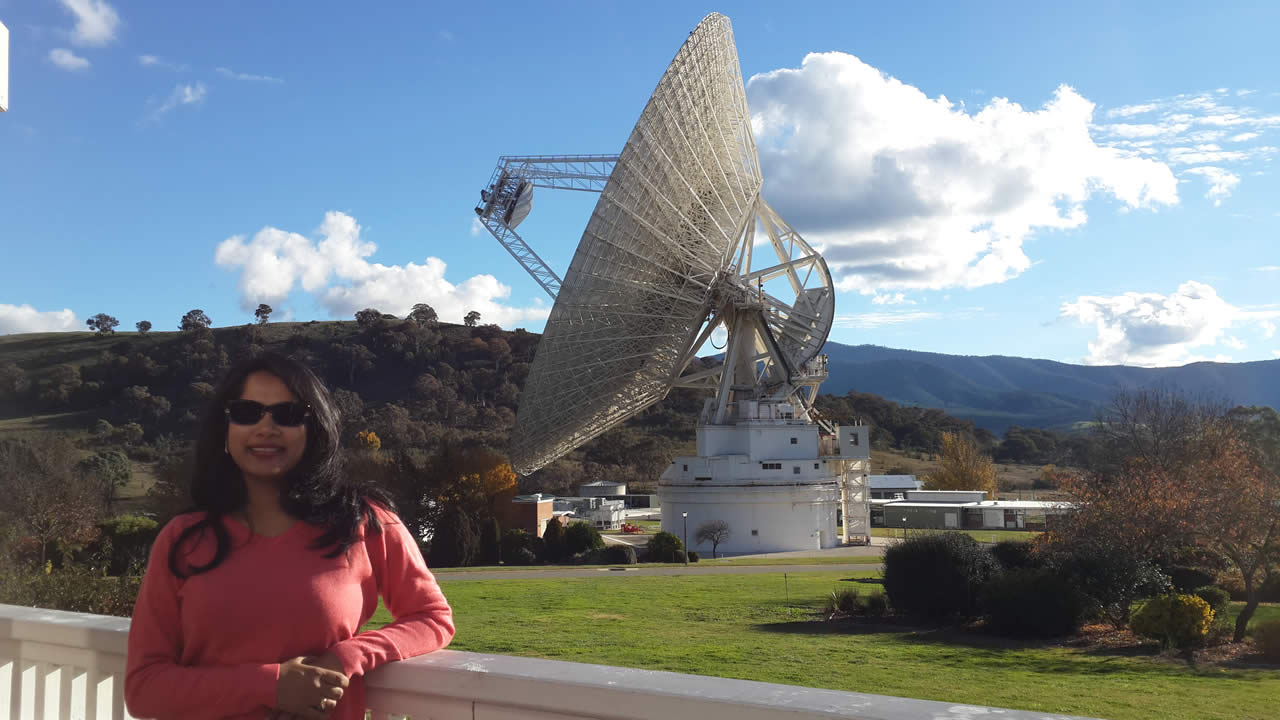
(685, 516)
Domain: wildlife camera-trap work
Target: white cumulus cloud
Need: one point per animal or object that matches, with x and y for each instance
(67, 60)
(26, 319)
(901, 190)
(336, 270)
(96, 22)
(1221, 181)
(1155, 330)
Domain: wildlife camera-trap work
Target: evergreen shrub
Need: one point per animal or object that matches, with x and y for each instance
(937, 576)
(581, 536)
(1015, 555)
(664, 547)
(1032, 603)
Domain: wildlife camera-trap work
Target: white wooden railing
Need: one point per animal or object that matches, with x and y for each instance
(56, 664)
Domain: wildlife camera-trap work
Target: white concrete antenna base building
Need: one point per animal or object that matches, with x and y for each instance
(775, 482)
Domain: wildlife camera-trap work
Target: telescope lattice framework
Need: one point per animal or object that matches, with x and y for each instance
(666, 258)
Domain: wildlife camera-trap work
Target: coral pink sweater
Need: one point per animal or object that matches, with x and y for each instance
(211, 646)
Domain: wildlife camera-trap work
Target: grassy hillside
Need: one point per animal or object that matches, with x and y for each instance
(417, 388)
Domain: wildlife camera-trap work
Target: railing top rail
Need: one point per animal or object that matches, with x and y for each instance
(563, 688)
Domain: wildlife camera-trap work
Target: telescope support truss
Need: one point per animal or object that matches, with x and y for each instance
(586, 173)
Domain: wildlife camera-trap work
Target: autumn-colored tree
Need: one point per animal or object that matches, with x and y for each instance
(476, 479)
(1153, 497)
(964, 467)
(368, 440)
(45, 496)
(1237, 513)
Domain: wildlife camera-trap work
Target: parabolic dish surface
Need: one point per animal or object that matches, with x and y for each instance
(641, 282)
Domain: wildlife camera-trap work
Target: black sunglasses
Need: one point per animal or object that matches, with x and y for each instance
(285, 414)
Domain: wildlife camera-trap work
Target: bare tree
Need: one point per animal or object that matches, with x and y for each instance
(1160, 426)
(714, 532)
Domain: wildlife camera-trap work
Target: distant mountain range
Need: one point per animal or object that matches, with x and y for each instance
(996, 391)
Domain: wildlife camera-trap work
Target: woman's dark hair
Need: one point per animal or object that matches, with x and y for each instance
(317, 490)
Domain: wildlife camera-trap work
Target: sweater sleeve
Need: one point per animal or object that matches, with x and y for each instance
(156, 685)
(423, 620)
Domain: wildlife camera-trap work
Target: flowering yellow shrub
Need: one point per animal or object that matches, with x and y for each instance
(368, 440)
(1180, 621)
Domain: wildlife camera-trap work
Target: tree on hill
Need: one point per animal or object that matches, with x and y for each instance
(144, 326)
(963, 467)
(103, 324)
(471, 318)
(368, 318)
(423, 315)
(13, 381)
(263, 313)
(714, 532)
(194, 320)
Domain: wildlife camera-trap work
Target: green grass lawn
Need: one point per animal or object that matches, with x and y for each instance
(744, 626)
(708, 562)
(979, 535)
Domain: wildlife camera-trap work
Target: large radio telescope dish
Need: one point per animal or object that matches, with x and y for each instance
(665, 259)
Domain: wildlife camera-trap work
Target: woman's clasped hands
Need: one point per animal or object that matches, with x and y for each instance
(309, 687)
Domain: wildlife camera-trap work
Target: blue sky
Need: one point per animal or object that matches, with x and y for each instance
(1083, 183)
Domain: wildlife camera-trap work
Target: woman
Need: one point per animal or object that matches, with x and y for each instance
(251, 605)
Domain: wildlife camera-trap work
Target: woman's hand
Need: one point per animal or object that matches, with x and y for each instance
(308, 691)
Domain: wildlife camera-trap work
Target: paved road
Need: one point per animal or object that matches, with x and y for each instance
(446, 577)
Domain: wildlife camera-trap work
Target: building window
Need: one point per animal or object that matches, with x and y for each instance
(771, 466)
(853, 439)
(815, 466)
(755, 533)
(702, 479)
(686, 468)
(793, 441)
(795, 469)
